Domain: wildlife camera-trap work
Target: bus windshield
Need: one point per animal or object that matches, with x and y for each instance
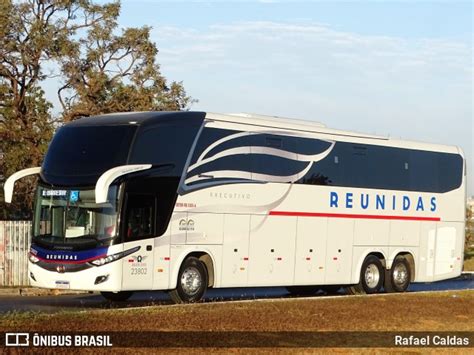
(71, 217)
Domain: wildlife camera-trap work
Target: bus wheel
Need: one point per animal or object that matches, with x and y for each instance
(192, 282)
(117, 296)
(371, 277)
(302, 290)
(397, 279)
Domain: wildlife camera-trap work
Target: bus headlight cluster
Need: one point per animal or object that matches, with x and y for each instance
(33, 258)
(106, 260)
(110, 258)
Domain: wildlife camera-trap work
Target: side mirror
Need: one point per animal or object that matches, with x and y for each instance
(10, 183)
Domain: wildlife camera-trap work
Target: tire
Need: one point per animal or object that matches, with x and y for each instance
(372, 277)
(302, 290)
(397, 279)
(192, 282)
(117, 296)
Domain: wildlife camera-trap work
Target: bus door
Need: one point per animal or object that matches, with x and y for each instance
(139, 232)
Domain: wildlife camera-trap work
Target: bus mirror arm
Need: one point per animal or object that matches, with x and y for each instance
(10, 182)
(107, 178)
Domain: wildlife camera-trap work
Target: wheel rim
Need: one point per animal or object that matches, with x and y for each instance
(191, 281)
(372, 276)
(400, 274)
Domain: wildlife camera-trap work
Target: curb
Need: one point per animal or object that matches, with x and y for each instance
(49, 292)
(31, 291)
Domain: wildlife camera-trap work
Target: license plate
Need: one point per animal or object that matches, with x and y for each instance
(63, 285)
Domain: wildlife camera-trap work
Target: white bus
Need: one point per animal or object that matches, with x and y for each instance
(185, 201)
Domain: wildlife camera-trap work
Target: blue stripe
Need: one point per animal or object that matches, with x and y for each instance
(60, 255)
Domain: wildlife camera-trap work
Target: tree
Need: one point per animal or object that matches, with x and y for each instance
(103, 72)
(109, 72)
(469, 241)
(33, 33)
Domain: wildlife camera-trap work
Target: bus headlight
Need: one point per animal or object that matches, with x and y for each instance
(110, 258)
(33, 258)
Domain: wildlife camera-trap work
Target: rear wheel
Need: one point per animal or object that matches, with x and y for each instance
(117, 296)
(192, 282)
(302, 290)
(397, 279)
(371, 277)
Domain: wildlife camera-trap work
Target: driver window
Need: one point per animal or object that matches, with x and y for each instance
(139, 219)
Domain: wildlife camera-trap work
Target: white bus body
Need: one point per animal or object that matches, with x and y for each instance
(255, 207)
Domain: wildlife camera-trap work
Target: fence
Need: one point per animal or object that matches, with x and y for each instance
(14, 248)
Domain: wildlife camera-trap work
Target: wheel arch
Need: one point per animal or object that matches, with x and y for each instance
(203, 255)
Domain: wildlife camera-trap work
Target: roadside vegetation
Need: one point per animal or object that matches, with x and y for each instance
(434, 311)
(469, 259)
(469, 243)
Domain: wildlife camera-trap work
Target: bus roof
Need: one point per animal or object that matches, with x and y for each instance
(286, 123)
(155, 117)
(132, 118)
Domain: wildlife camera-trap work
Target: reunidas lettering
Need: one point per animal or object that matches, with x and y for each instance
(382, 202)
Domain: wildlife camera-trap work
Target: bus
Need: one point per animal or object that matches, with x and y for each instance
(186, 201)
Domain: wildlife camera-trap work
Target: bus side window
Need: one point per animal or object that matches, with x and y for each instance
(139, 217)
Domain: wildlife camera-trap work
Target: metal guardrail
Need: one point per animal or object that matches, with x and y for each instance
(14, 247)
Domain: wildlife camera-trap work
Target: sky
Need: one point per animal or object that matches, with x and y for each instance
(403, 69)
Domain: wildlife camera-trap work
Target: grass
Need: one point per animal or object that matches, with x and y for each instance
(469, 259)
(409, 312)
(434, 311)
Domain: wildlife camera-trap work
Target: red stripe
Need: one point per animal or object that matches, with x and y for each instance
(348, 215)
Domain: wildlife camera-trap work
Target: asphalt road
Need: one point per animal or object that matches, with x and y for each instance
(52, 304)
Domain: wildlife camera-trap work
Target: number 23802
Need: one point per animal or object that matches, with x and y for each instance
(139, 270)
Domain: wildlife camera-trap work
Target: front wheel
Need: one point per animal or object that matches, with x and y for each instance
(117, 296)
(371, 277)
(192, 282)
(397, 279)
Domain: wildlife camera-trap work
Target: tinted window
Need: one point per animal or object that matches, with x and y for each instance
(164, 189)
(274, 156)
(222, 139)
(220, 154)
(85, 151)
(271, 156)
(164, 144)
(233, 155)
(329, 171)
(370, 166)
(140, 216)
(423, 170)
(388, 168)
(450, 167)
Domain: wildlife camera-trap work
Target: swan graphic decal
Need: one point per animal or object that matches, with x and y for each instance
(255, 157)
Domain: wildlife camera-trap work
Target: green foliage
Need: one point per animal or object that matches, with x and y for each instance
(469, 241)
(103, 72)
(107, 71)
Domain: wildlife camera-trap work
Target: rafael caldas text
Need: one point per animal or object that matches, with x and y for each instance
(430, 340)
